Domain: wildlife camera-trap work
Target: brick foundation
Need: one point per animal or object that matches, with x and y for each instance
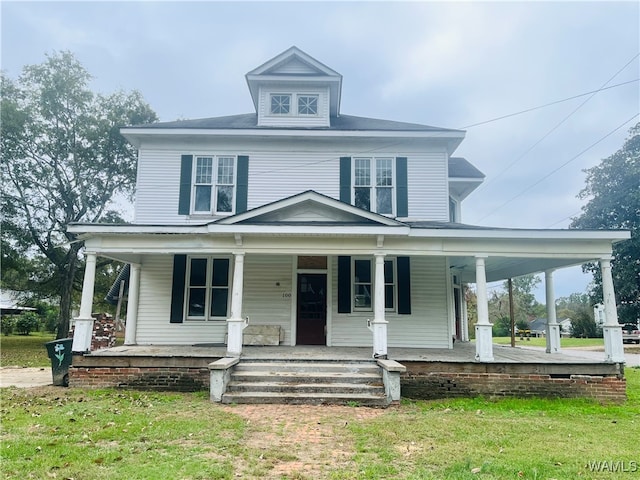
(175, 379)
(434, 385)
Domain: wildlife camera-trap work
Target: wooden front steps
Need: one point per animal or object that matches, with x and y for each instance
(306, 382)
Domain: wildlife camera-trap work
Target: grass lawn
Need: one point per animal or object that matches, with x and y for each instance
(112, 434)
(25, 350)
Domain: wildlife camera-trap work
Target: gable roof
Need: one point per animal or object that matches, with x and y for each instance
(308, 207)
(294, 65)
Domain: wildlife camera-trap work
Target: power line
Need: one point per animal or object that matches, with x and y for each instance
(561, 166)
(556, 126)
(563, 219)
(549, 104)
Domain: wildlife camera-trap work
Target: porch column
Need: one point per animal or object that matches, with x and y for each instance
(132, 305)
(236, 324)
(553, 329)
(612, 330)
(484, 337)
(379, 324)
(84, 322)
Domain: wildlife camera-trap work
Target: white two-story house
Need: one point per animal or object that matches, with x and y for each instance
(341, 230)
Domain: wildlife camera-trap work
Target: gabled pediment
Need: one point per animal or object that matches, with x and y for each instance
(293, 62)
(308, 208)
(295, 67)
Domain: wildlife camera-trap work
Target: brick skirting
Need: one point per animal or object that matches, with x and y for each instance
(435, 385)
(175, 379)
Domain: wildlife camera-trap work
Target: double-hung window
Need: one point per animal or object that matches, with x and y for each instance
(364, 284)
(214, 185)
(207, 287)
(373, 184)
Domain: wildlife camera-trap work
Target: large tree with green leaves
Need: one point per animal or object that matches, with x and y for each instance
(613, 193)
(63, 161)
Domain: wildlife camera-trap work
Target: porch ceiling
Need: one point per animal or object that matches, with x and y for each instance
(502, 268)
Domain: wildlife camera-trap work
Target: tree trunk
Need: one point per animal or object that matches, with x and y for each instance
(66, 293)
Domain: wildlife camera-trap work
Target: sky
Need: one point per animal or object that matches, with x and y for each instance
(447, 64)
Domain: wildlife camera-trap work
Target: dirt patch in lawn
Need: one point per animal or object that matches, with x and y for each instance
(299, 441)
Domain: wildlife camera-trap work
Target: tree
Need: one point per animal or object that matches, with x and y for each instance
(613, 190)
(525, 305)
(63, 161)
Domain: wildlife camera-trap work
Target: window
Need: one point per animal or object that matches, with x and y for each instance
(293, 104)
(207, 288)
(307, 104)
(214, 185)
(280, 104)
(373, 184)
(363, 284)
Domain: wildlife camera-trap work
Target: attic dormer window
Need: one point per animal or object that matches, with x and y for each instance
(307, 104)
(293, 104)
(280, 104)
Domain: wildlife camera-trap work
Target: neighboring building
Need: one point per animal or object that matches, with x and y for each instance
(340, 230)
(538, 327)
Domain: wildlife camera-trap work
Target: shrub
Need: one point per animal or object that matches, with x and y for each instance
(7, 324)
(27, 323)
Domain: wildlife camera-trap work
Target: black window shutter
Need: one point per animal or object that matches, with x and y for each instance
(345, 179)
(344, 284)
(184, 200)
(404, 285)
(177, 288)
(243, 184)
(402, 190)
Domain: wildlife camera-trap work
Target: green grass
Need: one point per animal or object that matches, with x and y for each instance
(112, 434)
(25, 350)
(541, 342)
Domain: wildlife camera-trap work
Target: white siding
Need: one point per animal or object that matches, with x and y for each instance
(155, 306)
(428, 187)
(426, 327)
(158, 187)
(267, 291)
(266, 302)
(280, 169)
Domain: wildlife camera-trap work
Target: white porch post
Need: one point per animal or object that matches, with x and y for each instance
(612, 330)
(553, 329)
(132, 305)
(84, 322)
(379, 324)
(236, 324)
(484, 337)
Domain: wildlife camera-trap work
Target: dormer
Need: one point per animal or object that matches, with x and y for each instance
(295, 90)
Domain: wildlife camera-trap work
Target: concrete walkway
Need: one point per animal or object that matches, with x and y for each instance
(25, 377)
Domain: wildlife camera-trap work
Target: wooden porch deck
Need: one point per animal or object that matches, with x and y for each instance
(460, 358)
(461, 353)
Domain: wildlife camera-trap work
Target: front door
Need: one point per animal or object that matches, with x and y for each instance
(312, 309)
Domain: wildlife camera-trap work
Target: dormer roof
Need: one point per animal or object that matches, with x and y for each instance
(294, 66)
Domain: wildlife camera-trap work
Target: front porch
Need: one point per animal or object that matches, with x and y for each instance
(430, 373)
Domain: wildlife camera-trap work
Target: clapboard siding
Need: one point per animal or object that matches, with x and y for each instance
(267, 291)
(266, 300)
(428, 187)
(426, 327)
(154, 306)
(273, 176)
(278, 172)
(158, 187)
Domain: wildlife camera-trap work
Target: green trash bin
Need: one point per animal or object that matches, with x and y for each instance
(59, 352)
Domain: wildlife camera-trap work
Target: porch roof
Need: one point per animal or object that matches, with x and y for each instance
(508, 252)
